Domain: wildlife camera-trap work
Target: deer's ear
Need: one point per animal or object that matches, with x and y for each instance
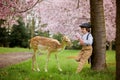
(63, 36)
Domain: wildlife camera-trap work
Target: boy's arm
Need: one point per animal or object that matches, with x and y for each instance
(80, 40)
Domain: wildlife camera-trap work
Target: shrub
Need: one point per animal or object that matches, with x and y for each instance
(58, 36)
(19, 36)
(4, 37)
(41, 33)
(76, 45)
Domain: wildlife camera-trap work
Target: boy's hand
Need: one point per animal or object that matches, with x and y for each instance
(77, 37)
(81, 42)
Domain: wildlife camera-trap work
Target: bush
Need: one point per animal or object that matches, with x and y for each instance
(41, 33)
(58, 37)
(4, 37)
(19, 36)
(76, 45)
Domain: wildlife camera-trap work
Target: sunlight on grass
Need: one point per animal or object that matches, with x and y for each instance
(22, 71)
(12, 50)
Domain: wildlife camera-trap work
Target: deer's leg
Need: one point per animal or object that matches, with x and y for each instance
(59, 68)
(37, 66)
(34, 63)
(33, 60)
(47, 60)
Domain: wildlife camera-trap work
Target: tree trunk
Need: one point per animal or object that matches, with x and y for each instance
(110, 45)
(33, 28)
(118, 40)
(99, 35)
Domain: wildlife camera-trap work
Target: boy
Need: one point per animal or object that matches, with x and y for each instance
(86, 41)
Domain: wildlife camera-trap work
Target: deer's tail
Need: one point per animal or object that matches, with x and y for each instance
(71, 57)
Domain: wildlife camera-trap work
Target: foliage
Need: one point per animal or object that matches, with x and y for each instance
(1, 22)
(4, 37)
(76, 45)
(62, 16)
(4, 34)
(65, 16)
(41, 33)
(58, 37)
(9, 9)
(110, 15)
(19, 36)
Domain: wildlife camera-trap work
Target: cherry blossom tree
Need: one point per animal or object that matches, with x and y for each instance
(11, 9)
(65, 16)
(110, 14)
(62, 16)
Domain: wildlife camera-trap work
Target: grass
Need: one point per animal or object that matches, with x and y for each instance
(22, 71)
(12, 50)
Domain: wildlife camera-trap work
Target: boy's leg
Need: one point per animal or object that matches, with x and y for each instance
(83, 59)
(80, 65)
(79, 56)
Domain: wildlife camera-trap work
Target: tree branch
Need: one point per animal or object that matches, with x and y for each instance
(77, 4)
(29, 8)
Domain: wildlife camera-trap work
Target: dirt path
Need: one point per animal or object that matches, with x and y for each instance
(13, 58)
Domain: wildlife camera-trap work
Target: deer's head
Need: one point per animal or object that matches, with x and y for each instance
(66, 41)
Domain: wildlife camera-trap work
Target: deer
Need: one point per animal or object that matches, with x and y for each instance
(48, 46)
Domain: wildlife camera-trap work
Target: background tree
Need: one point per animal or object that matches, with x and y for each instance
(32, 28)
(65, 16)
(19, 36)
(62, 16)
(4, 37)
(118, 40)
(99, 34)
(110, 14)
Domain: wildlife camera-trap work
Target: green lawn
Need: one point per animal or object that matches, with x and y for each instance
(11, 50)
(22, 71)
